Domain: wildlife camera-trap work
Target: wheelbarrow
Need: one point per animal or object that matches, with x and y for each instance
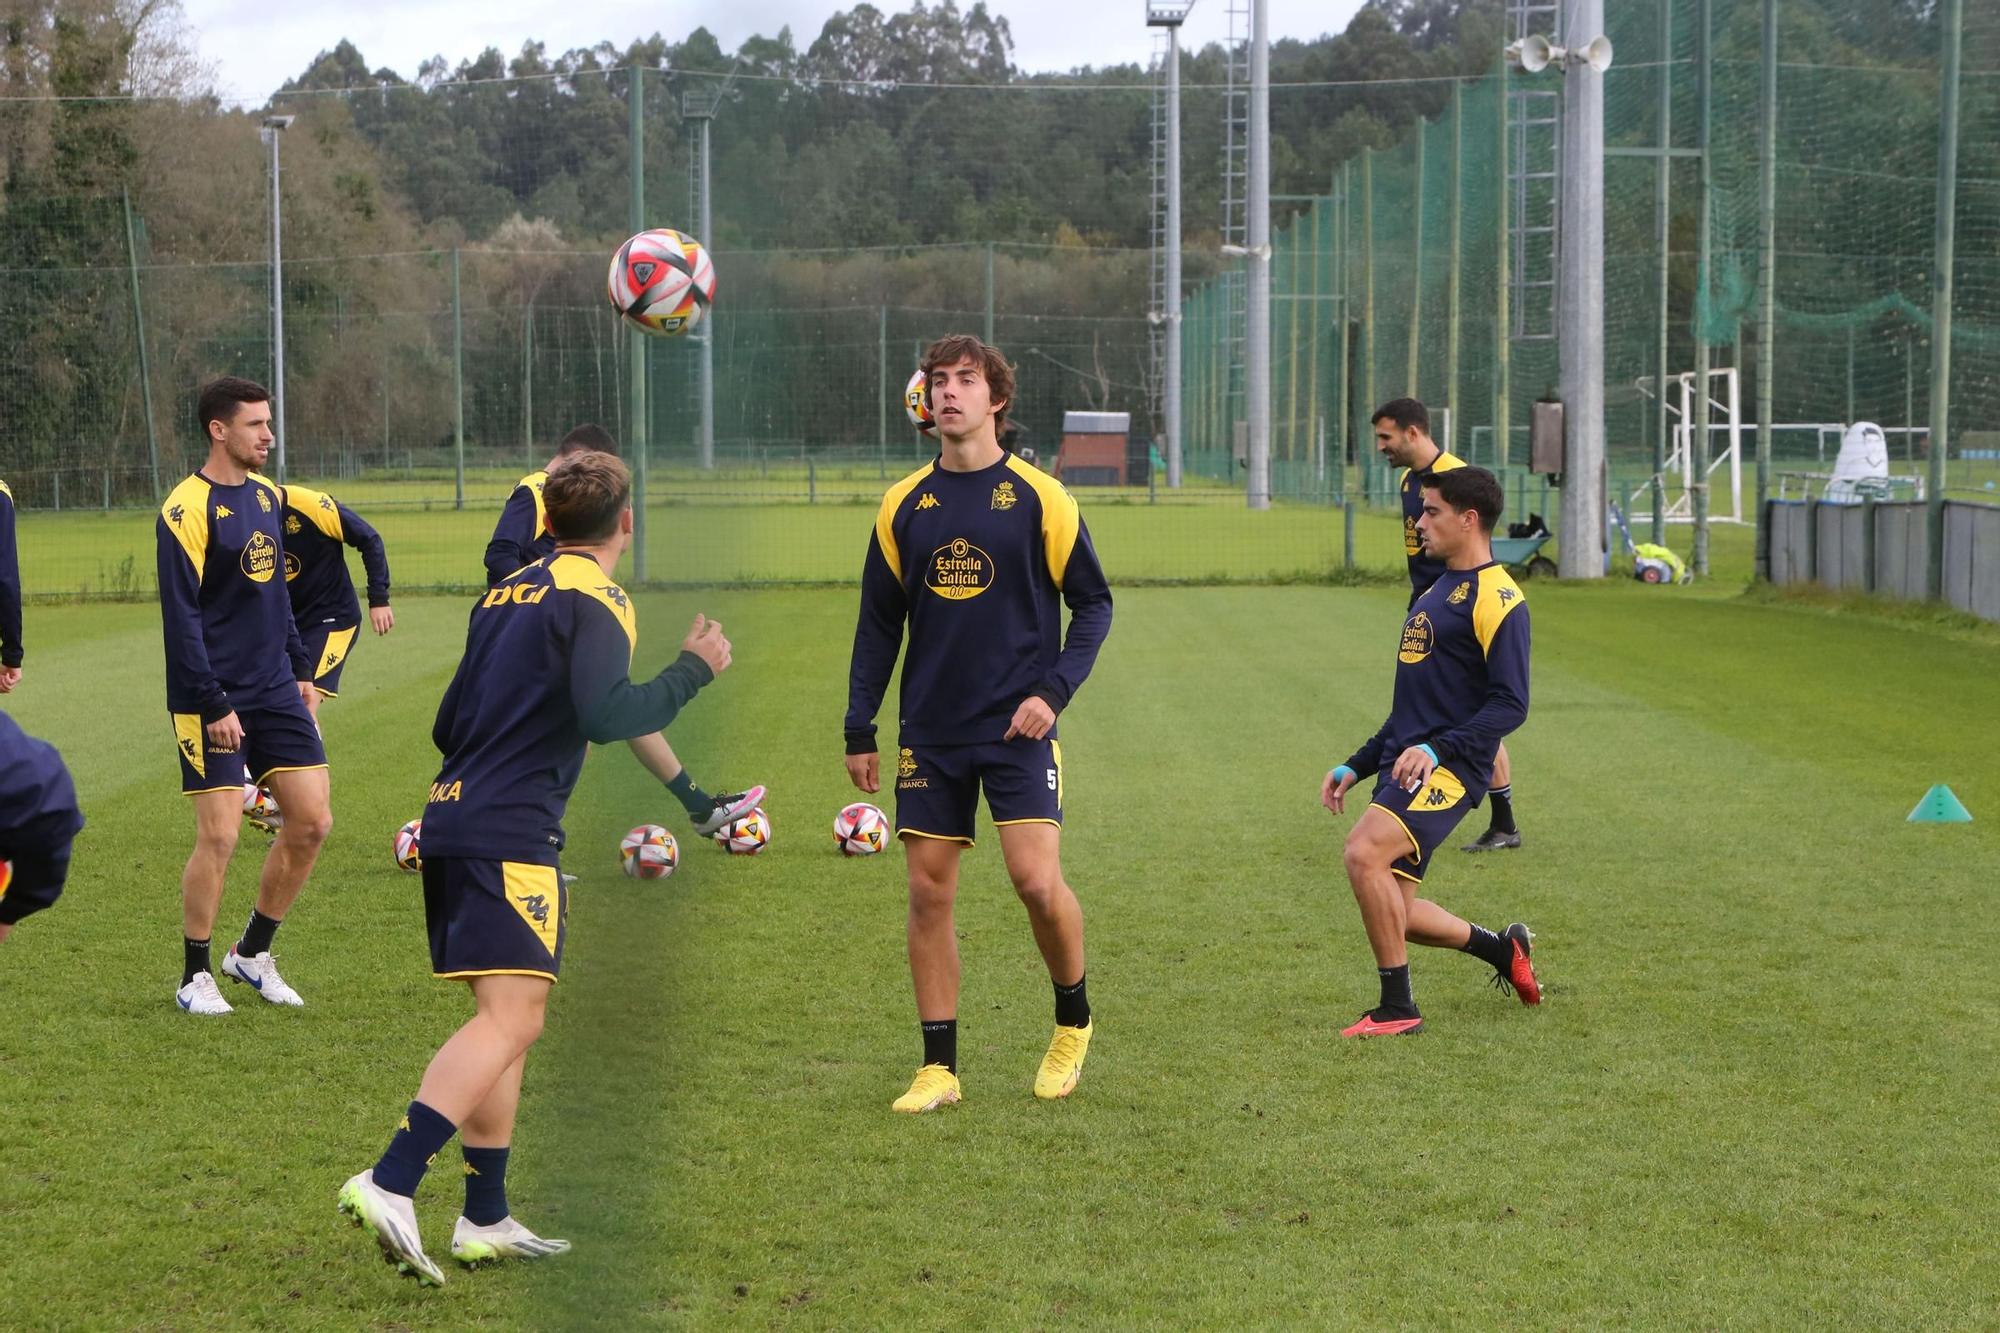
(1521, 548)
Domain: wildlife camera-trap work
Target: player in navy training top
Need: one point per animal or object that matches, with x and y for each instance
(38, 818)
(1461, 685)
(521, 537)
(544, 672)
(10, 596)
(318, 529)
(1403, 435)
(978, 553)
(238, 685)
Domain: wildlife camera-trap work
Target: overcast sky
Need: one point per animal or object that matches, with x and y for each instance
(254, 46)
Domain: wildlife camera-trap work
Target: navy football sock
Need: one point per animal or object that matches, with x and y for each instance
(485, 1185)
(417, 1140)
(692, 798)
(1488, 947)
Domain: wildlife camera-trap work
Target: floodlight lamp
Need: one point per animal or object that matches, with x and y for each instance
(279, 122)
(1167, 13)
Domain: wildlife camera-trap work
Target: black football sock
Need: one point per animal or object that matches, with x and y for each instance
(1489, 948)
(194, 958)
(941, 1043)
(485, 1185)
(1072, 1006)
(1396, 1001)
(1503, 810)
(692, 798)
(257, 935)
(416, 1141)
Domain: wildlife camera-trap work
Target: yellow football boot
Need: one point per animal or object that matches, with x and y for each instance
(934, 1086)
(1064, 1062)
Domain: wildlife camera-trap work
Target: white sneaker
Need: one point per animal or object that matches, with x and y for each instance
(201, 997)
(392, 1220)
(727, 807)
(505, 1239)
(261, 975)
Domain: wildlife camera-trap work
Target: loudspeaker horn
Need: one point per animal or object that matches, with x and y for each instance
(1598, 54)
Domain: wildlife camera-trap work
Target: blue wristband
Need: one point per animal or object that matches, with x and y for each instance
(1432, 753)
(1343, 768)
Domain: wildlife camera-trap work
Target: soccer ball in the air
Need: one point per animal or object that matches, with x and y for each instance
(409, 846)
(649, 852)
(745, 835)
(261, 808)
(661, 282)
(917, 402)
(860, 830)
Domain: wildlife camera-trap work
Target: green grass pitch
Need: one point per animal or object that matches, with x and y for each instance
(1760, 1092)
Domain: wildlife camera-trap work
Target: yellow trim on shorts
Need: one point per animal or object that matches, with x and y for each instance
(324, 692)
(203, 791)
(1414, 879)
(937, 837)
(495, 972)
(293, 768)
(1416, 848)
(1005, 823)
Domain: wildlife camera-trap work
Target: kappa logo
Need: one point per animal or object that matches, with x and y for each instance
(264, 502)
(906, 764)
(1460, 593)
(224, 511)
(616, 595)
(326, 503)
(1507, 595)
(930, 501)
(534, 905)
(1004, 497)
(175, 515)
(1434, 797)
(292, 525)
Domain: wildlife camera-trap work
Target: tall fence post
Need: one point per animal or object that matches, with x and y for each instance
(882, 389)
(635, 340)
(1503, 362)
(1767, 281)
(1452, 264)
(1663, 184)
(1367, 314)
(1411, 383)
(1941, 293)
(989, 293)
(1698, 443)
(1343, 410)
(457, 385)
(145, 357)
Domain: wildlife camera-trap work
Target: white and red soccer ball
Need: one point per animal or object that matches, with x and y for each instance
(261, 807)
(745, 835)
(661, 282)
(649, 852)
(409, 846)
(860, 830)
(917, 402)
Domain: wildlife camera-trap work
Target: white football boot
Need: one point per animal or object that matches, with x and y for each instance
(506, 1239)
(261, 975)
(727, 807)
(200, 996)
(392, 1220)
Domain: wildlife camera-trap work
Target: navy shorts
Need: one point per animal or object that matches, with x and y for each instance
(494, 918)
(1428, 814)
(277, 739)
(937, 786)
(328, 647)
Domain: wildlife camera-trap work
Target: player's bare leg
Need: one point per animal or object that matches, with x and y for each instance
(1033, 852)
(218, 817)
(508, 1020)
(303, 796)
(1375, 843)
(932, 940)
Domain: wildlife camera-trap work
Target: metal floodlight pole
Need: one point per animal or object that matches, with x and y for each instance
(1663, 180)
(1767, 281)
(1452, 279)
(1580, 293)
(1257, 240)
(636, 341)
(1697, 425)
(1169, 14)
(1941, 294)
(273, 128)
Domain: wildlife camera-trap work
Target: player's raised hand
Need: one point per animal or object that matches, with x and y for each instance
(865, 771)
(704, 639)
(1032, 719)
(226, 732)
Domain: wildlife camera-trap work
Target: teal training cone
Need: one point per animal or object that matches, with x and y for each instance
(1940, 806)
